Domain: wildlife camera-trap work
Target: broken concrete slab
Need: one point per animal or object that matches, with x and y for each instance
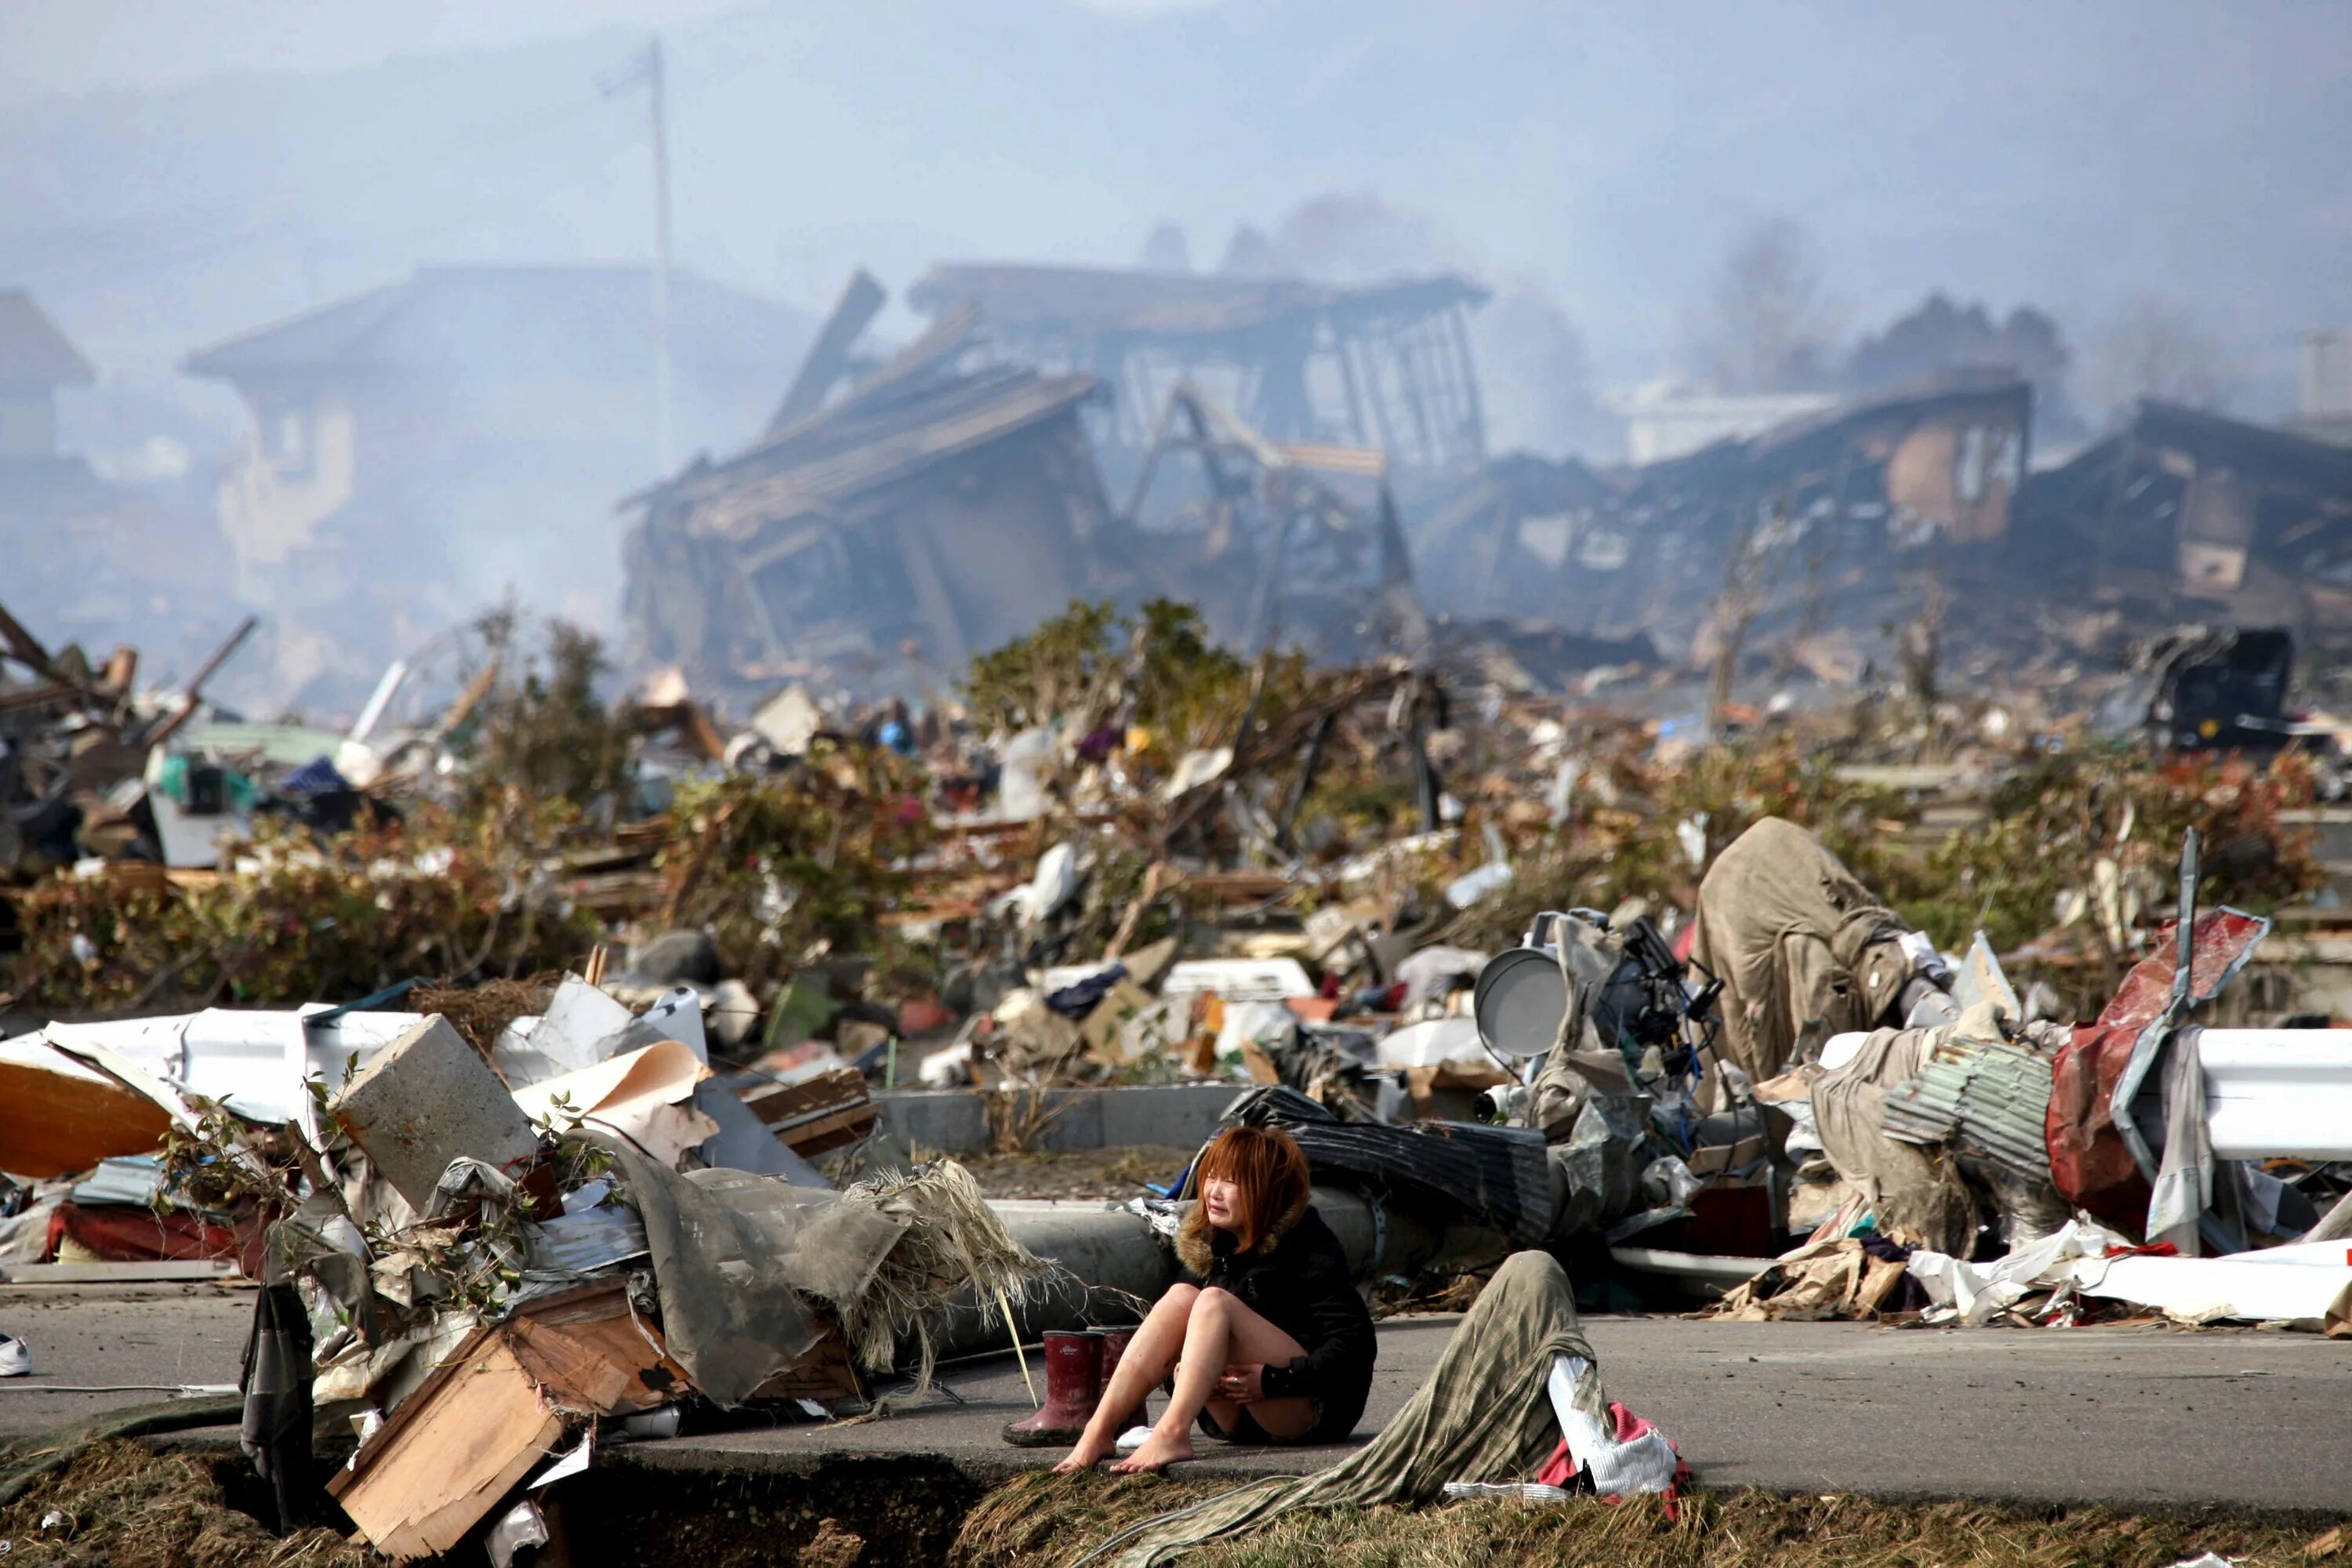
(427, 1099)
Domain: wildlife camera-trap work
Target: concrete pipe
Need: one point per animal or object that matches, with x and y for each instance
(1116, 1268)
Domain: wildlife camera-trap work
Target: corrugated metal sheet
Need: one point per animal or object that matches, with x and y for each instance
(1991, 1098)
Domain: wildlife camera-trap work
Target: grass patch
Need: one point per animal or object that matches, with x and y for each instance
(125, 1506)
(1046, 1521)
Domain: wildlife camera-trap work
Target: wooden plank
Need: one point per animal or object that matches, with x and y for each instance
(775, 1103)
(592, 1354)
(819, 1114)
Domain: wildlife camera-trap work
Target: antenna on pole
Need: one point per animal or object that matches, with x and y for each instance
(647, 68)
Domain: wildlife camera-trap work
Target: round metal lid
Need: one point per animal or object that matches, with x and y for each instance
(1518, 1001)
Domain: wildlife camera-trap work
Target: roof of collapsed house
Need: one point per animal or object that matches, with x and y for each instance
(443, 315)
(1994, 394)
(1093, 300)
(859, 444)
(2275, 457)
(32, 351)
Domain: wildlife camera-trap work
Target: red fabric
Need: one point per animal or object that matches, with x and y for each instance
(2089, 1162)
(1562, 1467)
(120, 1233)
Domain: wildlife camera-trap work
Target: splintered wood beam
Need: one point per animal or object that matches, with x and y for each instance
(859, 304)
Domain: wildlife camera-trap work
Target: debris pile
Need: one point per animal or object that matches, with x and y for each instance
(578, 1229)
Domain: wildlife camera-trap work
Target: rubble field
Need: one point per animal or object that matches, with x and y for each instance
(583, 1081)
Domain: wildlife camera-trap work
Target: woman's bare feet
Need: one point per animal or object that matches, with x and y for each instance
(1090, 1452)
(1158, 1453)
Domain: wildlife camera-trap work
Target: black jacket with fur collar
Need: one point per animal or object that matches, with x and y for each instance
(1297, 1279)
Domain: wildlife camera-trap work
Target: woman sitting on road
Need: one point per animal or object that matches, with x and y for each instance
(1272, 1346)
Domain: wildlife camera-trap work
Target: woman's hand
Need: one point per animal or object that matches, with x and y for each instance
(1243, 1383)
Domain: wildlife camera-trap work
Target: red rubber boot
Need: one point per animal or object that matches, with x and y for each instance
(1114, 1343)
(1073, 1380)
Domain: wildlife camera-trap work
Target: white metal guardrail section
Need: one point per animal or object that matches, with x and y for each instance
(2278, 1093)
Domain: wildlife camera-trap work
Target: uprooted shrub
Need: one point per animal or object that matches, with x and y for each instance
(540, 727)
(781, 871)
(303, 919)
(1185, 691)
(2033, 864)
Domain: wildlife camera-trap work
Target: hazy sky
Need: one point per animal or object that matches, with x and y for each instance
(178, 170)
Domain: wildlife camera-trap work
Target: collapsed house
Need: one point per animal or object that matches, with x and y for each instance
(1811, 520)
(928, 513)
(1915, 507)
(415, 446)
(941, 504)
(1386, 364)
(2190, 515)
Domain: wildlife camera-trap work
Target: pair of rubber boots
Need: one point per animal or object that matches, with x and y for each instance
(1079, 1368)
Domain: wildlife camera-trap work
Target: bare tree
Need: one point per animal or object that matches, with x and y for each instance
(1771, 324)
(1752, 566)
(2162, 349)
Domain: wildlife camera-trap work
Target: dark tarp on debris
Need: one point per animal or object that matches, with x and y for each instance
(1498, 1173)
(730, 1314)
(275, 1431)
(1803, 950)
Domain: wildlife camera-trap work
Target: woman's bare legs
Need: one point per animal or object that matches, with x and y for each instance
(1220, 1332)
(1149, 1357)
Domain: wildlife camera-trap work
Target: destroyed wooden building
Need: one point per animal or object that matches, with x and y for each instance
(902, 514)
(1384, 365)
(1812, 521)
(1289, 544)
(929, 513)
(2185, 515)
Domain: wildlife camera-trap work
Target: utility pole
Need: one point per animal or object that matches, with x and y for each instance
(665, 426)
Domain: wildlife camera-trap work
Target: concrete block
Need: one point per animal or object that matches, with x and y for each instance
(1073, 1119)
(1181, 1115)
(427, 1099)
(955, 1122)
(950, 1122)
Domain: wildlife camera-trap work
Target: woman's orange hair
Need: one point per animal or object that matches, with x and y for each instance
(1267, 1164)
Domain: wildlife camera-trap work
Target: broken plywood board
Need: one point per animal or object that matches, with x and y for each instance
(453, 1449)
(58, 1115)
(817, 1114)
(450, 1452)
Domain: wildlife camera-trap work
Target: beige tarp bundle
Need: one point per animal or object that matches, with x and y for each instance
(1484, 1414)
(1913, 1188)
(1803, 950)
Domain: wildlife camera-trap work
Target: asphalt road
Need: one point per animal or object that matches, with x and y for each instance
(2132, 1417)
